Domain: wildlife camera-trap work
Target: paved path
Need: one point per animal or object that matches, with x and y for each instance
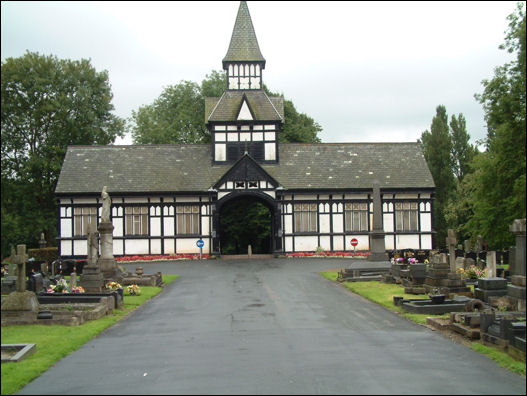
(269, 327)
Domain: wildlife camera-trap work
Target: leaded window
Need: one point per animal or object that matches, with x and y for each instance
(356, 215)
(187, 219)
(306, 217)
(136, 219)
(406, 216)
(84, 217)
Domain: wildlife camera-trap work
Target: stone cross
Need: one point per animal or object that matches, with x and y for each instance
(491, 264)
(42, 242)
(20, 260)
(451, 243)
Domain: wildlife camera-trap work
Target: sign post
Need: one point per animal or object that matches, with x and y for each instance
(200, 243)
(354, 243)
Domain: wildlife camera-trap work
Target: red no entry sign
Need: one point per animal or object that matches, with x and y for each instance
(354, 242)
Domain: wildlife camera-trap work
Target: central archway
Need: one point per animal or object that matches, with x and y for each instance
(247, 218)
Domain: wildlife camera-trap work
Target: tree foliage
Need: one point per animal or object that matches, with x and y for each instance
(47, 104)
(499, 176)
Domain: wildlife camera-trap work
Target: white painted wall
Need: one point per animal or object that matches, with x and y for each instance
(407, 241)
(220, 152)
(65, 228)
(338, 243)
(117, 227)
(338, 223)
(364, 243)
(189, 245)
(118, 247)
(155, 226)
(387, 219)
(136, 246)
(65, 248)
(306, 243)
(168, 226)
(426, 241)
(80, 247)
(169, 246)
(155, 246)
(324, 222)
(426, 221)
(288, 244)
(325, 243)
(388, 242)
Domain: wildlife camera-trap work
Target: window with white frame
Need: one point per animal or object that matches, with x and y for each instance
(136, 219)
(356, 215)
(84, 217)
(306, 217)
(406, 216)
(187, 219)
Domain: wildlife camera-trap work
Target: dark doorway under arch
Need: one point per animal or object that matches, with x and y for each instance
(246, 220)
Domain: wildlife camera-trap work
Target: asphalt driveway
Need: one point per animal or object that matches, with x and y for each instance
(269, 327)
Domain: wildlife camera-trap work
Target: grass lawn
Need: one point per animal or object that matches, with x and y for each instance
(50, 340)
(382, 293)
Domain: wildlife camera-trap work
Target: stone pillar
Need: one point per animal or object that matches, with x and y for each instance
(377, 243)
(42, 242)
(518, 266)
(106, 261)
(491, 264)
(20, 261)
(451, 244)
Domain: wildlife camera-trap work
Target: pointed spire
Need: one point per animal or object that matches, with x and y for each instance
(244, 45)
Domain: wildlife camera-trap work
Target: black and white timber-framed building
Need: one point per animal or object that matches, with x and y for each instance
(166, 197)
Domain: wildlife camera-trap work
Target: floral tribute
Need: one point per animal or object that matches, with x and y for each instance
(63, 287)
(160, 257)
(113, 286)
(472, 272)
(133, 290)
(327, 254)
(78, 289)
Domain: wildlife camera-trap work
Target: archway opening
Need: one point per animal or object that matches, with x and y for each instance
(246, 221)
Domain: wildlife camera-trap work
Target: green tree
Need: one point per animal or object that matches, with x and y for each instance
(47, 104)
(462, 151)
(437, 149)
(499, 186)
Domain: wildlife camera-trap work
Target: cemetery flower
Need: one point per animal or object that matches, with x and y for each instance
(78, 289)
(472, 272)
(60, 287)
(113, 286)
(412, 260)
(133, 290)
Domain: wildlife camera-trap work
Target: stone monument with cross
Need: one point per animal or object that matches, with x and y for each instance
(20, 306)
(451, 244)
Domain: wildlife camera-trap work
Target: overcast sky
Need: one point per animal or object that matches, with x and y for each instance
(365, 71)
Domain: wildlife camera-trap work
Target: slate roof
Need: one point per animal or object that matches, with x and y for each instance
(243, 45)
(226, 107)
(188, 168)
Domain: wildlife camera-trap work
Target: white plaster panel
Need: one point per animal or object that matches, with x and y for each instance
(205, 222)
(136, 246)
(387, 220)
(118, 247)
(65, 248)
(426, 241)
(245, 113)
(232, 137)
(355, 196)
(219, 128)
(204, 210)
(62, 212)
(222, 194)
(155, 246)
(233, 83)
(337, 243)
(337, 223)
(422, 206)
(364, 242)
(325, 243)
(168, 226)
(388, 242)
(306, 243)
(232, 128)
(304, 197)
(187, 199)
(269, 136)
(324, 223)
(387, 196)
(155, 199)
(270, 193)
(155, 226)
(426, 221)
(257, 136)
(269, 127)
(288, 224)
(270, 151)
(288, 244)
(425, 195)
(65, 201)
(407, 241)
(115, 211)
(220, 136)
(189, 245)
(245, 137)
(65, 228)
(169, 246)
(117, 226)
(80, 247)
(405, 196)
(258, 128)
(220, 152)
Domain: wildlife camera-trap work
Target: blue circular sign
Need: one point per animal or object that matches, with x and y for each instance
(200, 243)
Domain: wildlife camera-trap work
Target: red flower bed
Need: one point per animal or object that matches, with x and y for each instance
(328, 254)
(162, 257)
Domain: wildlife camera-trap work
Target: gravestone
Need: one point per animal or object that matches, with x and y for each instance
(490, 287)
(440, 277)
(468, 246)
(42, 243)
(451, 244)
(9, 281)
(92, 279)
(516, 291)
(377, 245)
(491, 264)
(20, 306)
